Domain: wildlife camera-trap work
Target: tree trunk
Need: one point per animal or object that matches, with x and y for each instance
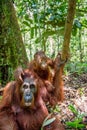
(68, 29)
(58, 80)
(12, 49)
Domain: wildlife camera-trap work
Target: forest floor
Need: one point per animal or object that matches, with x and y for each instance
(75, 104)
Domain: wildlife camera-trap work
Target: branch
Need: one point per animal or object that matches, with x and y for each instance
(68, 29)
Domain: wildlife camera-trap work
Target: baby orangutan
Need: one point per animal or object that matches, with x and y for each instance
(44, 67)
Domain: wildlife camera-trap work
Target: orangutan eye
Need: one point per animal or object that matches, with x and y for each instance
(25, 86)
(33, 88)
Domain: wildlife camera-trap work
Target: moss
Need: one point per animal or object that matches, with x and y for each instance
(12, 49)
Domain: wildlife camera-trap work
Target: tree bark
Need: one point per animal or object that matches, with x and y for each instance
(11, 36)
(68, 29)
(12, 49)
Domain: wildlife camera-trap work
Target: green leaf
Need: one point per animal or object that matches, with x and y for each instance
(75, 124)
(24, 30)
(49, 121)
(32, 32)
(26, 23)
(28, 19)
(73, 109)
(78, 24)
(74, 31)
(52, 17)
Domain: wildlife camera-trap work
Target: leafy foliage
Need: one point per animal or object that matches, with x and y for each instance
(41, 20)
(77, 122)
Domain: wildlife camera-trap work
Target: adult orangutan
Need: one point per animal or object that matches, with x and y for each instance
(22, 106)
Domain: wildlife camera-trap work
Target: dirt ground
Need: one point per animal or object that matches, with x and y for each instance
(75, 104)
